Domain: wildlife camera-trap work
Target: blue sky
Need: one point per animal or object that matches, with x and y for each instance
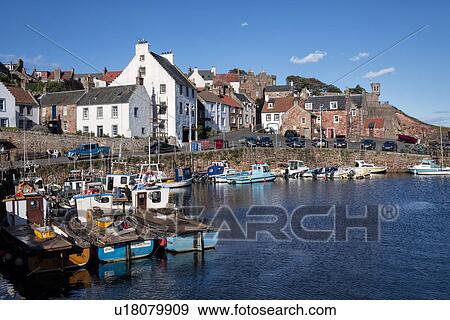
(307, 38)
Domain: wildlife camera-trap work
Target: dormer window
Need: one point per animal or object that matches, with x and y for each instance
(333, 105)
(270, 105)
(142, 57)
(308, 106)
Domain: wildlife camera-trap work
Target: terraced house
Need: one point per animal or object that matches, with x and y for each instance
(26, 108)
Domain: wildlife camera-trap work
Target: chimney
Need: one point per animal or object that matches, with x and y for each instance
(57, 73)
(213, 70)
(142, 47)
(195, 70)
(105, 71)
(89, 83)
(169, 56)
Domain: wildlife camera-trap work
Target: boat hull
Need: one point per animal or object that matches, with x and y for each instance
(434, 173)
(57, 261)
(187, 243)
(175, 184)
(118, 252)
(251, 179)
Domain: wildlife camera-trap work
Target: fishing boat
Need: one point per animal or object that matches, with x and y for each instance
(260, 172)
(295, 169)
(220, 171)
(183, 178)
(362, 165)
(427, 167)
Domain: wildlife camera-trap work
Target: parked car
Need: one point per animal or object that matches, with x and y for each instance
(265, 142)
(269, 130)
(340, 143)
(389, 146)
(407, 139)
(88, 150)
(295, 142)
(242, 140)
(251, 142)
(368, 144)
(316, 143)
(290, 134)
(163, 147)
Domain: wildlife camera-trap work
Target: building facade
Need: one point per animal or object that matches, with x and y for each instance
(59, 110)
(249, 110)
(297, 119)
(167, 87)
(115, 111)
(273, 111)
(27, 108)
(7, 107)
(217, 114)
(254, 84)
(202, 78)
(273, 92)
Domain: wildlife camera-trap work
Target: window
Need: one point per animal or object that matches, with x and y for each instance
(65, 111)
(223, 121)
(85, 113)
(136, 109)
(142, 57)
(85, 129)
(233, 120)
(308, 106)
(276, 117)
(114, 130)
(21, 110)
(162, 88)
(336, 119)
(268, 117)
(270, 105)
(99, 112)
(114, 112)
(3, 122)
(2, 105)
(123, 180)
(142, 71)
(353, 112)
(21, 123)
(181, 90)
(29, 124)
(142, 130)
(65, 126)
(223, 108)
(99, 131)
(193, 93)
(29, 111)
(246, 118)
(318, 119)
(155, 196)
(333, 105)
(180, 108)
(303, 120)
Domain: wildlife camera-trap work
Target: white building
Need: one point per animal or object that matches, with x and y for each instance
(203, 78)
(115, 111)
(7, 107)
(217, 113)
(249, 110)
(273, 111)
(167, 86)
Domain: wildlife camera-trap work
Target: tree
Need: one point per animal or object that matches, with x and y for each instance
(333, 89)
(314, 85)
(238, 71)
(356, 90)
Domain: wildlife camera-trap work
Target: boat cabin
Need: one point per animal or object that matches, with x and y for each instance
(75, 182)
(120, 181)
(295, 164)
(183, 174)
(150, 198)
(363, 164)
(258, 168)
(151, 173)
(26, 208)
(85, 202)
(217, 168)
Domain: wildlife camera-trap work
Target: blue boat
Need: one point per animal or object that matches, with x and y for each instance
(125, 251)
(220, 171)
(260, 173)
(193, 242)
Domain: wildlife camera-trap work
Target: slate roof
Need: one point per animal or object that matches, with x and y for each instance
(3, 69)
(279, 105)
(242, 97)
(107, 95)
(173, 71)
(208, 96)
(278, 88)
(325, 101)
(62, 98)
(22, 96)
(207, 75)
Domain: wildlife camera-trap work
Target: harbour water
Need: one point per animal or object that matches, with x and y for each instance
(410, 261)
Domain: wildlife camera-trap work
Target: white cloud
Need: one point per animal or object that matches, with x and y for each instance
(379, 73)
(244, 24)
(359, 56)
(310, 58)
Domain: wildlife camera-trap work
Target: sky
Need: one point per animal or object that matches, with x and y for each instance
(325, 40)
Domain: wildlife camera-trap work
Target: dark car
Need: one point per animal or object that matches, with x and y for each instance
(389, 146)
(251, 142)
(316, 143)
(163, 147)
(295, 143)
(265, 142)
(290, 134)
(368, 144)
(340, 143)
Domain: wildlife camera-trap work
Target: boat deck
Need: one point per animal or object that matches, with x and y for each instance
(25, 239)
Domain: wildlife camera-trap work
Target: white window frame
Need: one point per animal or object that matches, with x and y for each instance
(268, 117)
(276, 117)
(353, 112)
(142, 57)
(114, 112)
(336, 118)
(112, 130)
(65, 111)
(85, 113)
(270, 105)
(308, 106)
(65, 126)
(161, 87)
(99, 112)
(333, 105)
(85, 129)
(6, 122)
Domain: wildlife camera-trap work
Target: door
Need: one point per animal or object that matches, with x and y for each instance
(35, 211)
(331, 133)
(99, 131)
(54, 112)
(110, 184)
(142, 200)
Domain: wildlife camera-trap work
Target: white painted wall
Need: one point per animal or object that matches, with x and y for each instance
(10, 106)
(197, 79)
(217, 111)
(155, 75)
(275, 125)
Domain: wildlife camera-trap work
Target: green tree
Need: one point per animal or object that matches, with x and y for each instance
(356, 90)
(239, 71)
(314, 85)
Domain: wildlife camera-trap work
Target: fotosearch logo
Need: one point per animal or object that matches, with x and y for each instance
(306, 223)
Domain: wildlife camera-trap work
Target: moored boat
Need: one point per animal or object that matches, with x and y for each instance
(260, 172)
(362, 165)
(220, 171)
(429, 167)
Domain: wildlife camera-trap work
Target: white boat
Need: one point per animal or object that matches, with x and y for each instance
(427, 167)
(362, 165)
(440, 172)
(220, 171)
(296, 168)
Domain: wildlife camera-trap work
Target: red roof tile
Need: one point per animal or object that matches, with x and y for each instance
(22, 96)
(230, 102)
(279, 104)
(110, 76)
(226, 77)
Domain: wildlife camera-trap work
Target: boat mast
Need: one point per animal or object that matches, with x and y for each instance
(442, 147)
